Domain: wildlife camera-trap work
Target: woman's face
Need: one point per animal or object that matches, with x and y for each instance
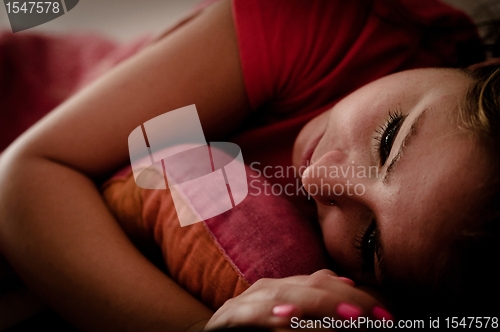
(392, 174)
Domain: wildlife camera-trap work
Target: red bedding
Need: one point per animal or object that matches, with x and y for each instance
(37, 73)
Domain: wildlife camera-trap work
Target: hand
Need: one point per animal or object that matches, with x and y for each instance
(273, 302)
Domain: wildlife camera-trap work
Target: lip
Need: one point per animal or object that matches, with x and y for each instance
(309, 150)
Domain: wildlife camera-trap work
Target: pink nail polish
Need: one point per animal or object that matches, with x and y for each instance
(284, 310)
(380, 313)
(347, 281)
(347, 311)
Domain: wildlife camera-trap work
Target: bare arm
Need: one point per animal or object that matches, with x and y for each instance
(54, 227)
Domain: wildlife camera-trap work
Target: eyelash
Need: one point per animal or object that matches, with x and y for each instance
(366, 245)
(366, 241)
(386, 134)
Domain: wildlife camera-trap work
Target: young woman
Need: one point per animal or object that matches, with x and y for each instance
(427, 224)
(266, 69)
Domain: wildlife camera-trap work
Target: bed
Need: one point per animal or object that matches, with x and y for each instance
(85, 56)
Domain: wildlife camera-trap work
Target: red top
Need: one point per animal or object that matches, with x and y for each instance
(300, 57)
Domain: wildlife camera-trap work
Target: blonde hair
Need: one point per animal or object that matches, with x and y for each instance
(480, 111)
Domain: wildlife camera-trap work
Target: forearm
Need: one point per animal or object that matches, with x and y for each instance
(58, 234)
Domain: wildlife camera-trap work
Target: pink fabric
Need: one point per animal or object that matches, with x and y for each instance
(38, 72)
(266, 236)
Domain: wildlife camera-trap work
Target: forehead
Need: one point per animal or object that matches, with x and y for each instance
(413, 83)
(437, 182)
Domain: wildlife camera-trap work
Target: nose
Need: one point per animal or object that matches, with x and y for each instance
(347, 199)
(336, 179)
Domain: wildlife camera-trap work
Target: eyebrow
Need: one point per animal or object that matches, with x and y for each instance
(412, 133)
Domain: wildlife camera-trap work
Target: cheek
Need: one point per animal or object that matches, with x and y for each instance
(339, 233)
(340, 246)
(430, 196)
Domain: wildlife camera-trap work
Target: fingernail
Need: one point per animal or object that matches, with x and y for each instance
(380, 313)
(284, 310)
(347, 311)
(347, 281)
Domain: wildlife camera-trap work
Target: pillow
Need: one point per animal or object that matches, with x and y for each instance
(265, 236)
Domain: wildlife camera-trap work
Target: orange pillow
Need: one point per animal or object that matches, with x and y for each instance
(217, 259)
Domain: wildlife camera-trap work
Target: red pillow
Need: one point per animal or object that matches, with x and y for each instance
(265, 236)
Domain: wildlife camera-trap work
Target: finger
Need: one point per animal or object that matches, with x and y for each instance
(267, 313)
(301, 279)
(323, 279)
(321, 295)
(297, 280)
